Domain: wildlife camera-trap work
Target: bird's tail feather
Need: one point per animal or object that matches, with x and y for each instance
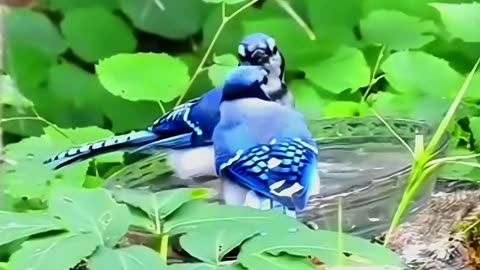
(126, 142)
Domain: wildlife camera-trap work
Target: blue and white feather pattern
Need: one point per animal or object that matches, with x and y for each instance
(264, 152)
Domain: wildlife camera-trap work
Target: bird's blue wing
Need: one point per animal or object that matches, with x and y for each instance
(188, 125)
(283, 170)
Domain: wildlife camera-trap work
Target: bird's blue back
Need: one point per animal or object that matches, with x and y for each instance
(262, 145)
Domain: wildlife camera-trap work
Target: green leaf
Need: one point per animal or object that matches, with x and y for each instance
(91, 211)
(14, 226)
(345, 109)
(210, 243)
(79, 136)
(321, 244)
(203, 266)
(196, 214)
(419, 72)
(397, 30)
(284, 262)
(160, 204)
(28, 177)
(129, 258)
(95, 33)
(410, 105)
(228, 2)
(178, 19)
(475, 128)
(58, 252)
(10, 95)
(333, 21)
(345, 69)
(66, 5)
(309, 98)
(461, 20)
(223, 65)
(458, 171)
(144, 76)
(33, 44)
(141, 221)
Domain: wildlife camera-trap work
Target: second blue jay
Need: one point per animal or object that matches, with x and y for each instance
(264, 152)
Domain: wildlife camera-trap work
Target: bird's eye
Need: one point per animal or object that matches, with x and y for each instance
(275, 50)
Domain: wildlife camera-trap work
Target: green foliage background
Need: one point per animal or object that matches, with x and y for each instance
(403, 58)
(81, 70)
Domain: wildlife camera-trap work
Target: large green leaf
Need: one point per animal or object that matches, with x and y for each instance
(410, 105)
(345, 69)
(420, 72)
(144, 76)
(333, 21)
(475, 128)
(66, 5)
(174, 19)
(91, 211)
(160, 204)
(310, 99)
(203, 266)
(95, 33)
(210, 243)
(14, 226)
(223, 64)
(28, 177)
(461, 20)
(197, 214)
(129, 258)
(258, 251)
(345, 109)
(58, 252)
(397, 30)
(33, 45)
(458, 171)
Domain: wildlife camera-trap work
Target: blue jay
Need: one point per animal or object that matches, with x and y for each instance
(186, 130)
(264, 152)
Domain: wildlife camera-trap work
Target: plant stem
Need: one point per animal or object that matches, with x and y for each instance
(340, 233)
(162, 108)
(164, 247)
(21, 118)
(290, 11)
(374, 71)
(225, 20)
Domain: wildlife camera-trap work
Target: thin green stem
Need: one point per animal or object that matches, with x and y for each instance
(285, 5)
(164, 247)
(225, 20)
(340, 260)
(393, 132)
(374, 72)
(5, 120)
(162, 108)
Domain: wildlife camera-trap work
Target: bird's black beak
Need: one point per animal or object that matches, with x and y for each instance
(260, 57)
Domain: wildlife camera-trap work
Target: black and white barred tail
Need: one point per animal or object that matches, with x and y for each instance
(126, 142)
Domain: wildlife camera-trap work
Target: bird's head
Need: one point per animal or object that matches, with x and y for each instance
(246, 82)
(261, 50)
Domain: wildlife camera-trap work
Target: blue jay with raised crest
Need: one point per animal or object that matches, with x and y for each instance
(264, 152)
(186, 130)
